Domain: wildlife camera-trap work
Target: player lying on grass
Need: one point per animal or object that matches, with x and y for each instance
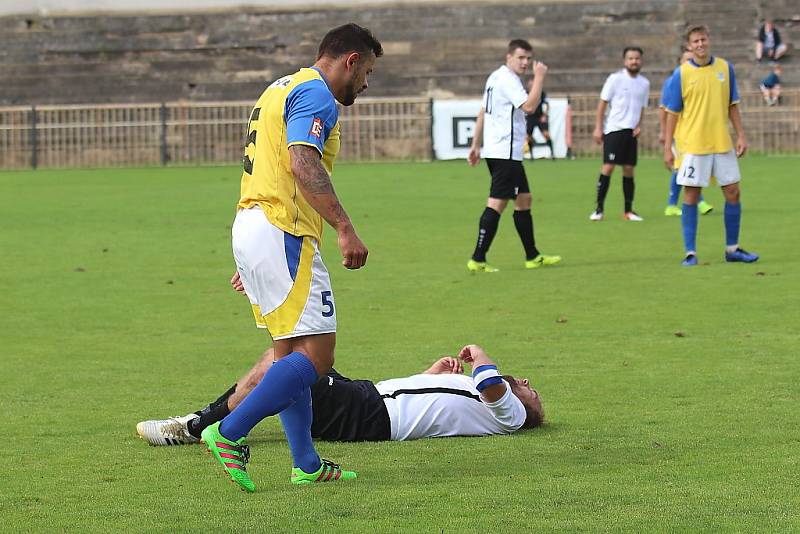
(440, 402)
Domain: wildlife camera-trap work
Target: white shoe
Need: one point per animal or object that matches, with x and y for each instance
(632, 216)
(596, 216)
(172, 431)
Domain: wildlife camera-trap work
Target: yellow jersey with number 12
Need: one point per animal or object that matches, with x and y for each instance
(702, 96)
(298, 109)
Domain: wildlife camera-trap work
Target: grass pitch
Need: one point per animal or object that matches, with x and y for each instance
(671, 394)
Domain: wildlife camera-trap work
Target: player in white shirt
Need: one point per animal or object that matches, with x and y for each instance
(625, 94)
(501, 127)
(440, 402)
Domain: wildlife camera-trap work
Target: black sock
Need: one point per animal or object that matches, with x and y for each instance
(627, 189)
(550, 146)
(602, 189)
(216, 411)
(524, 223)
(487, 228)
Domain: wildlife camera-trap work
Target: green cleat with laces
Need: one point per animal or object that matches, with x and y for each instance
(480, 267)
(233, 455)
(327, 472)
(541, 260)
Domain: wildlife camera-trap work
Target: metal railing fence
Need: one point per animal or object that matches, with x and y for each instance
(116, 135)
(769, 129)
(374, 129)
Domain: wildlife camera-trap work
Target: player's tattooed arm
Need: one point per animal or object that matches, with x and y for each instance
(316, 185)
(317, 189)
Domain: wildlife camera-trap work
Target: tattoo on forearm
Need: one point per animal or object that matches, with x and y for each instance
(313, 181)
(313, 177)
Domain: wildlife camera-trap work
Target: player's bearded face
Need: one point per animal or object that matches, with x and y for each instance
(358, 79)
(633, 62)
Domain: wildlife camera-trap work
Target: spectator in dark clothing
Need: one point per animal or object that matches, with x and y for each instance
(769, 45)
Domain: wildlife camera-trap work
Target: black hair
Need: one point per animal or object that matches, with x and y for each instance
(519, 43)
(632, 49)
(349, 38)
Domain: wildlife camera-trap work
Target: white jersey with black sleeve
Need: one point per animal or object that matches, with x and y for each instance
(503, 121)
(430, 406)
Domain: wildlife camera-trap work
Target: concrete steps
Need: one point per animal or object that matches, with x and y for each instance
(435, 49)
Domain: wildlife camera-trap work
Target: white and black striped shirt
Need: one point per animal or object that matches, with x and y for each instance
(429, 406)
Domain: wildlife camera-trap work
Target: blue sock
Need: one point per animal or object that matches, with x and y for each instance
(285, 381)
(296, 420)
(733, 219)
(689, 224)
(674, 189)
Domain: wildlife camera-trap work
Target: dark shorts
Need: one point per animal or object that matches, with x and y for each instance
(348, 410)
(535, 121)
(508, 178)
(620, 148)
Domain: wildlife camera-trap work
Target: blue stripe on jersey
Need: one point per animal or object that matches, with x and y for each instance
(664, 90)
(734, 94)
(491, 381)
(673, 94)
(292, 245)
(310, 114)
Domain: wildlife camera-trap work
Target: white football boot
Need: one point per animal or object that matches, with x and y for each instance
(632, 216)
(596, 216)
(172, 431)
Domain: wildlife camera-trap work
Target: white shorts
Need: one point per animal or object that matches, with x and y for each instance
(284, 277)
(696, 170)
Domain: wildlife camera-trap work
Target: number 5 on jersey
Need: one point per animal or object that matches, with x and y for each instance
(250, 153)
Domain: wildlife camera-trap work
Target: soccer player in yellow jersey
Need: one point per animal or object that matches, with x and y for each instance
(674, 188)
(286, 192)
(703, 94)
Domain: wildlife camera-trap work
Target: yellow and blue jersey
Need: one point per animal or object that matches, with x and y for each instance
(702, 95)
(298, 109)
(664, 88)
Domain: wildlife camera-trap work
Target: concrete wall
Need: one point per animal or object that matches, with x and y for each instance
(65, 7)
(434, 49)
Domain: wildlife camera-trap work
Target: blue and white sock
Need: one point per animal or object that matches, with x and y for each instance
(674, 189)
(733, 219)
(689, 224)
(296, 420)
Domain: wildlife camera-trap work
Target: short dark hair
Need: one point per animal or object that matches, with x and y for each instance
(632, 49)
(696, 28)
(533, 418)
(519, 43)
(349, 38)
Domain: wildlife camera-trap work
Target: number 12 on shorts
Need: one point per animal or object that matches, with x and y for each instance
(327, 302)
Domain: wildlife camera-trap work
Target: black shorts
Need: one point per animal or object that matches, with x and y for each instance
(508, 178)
(348, 410)
(535, 121)
(620, 147)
